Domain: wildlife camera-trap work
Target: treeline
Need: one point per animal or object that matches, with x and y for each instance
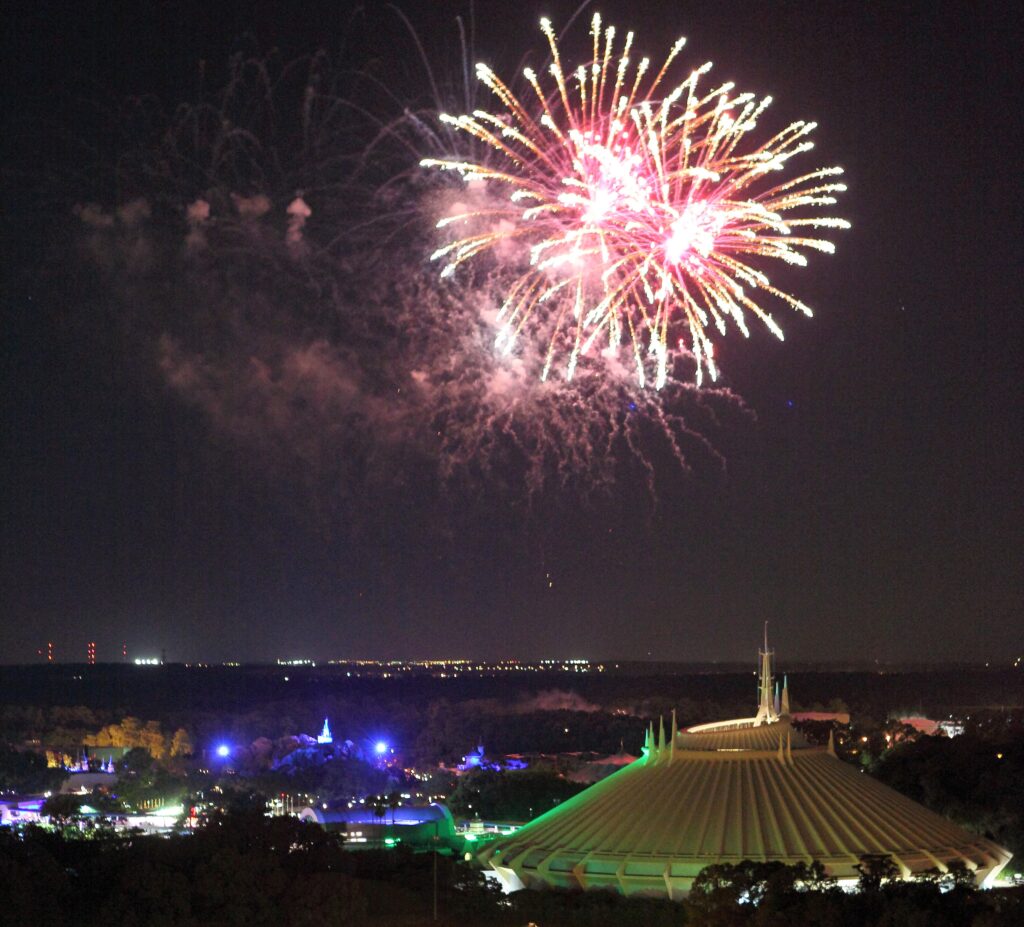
(165, 692)
(423, 733)
(430, 720)
(249, 870)
(514, 795)
(60, 727)
(333, 781)
(131, 732)
(240, 869)
(23, 772)
(775, 895)
(976, 780)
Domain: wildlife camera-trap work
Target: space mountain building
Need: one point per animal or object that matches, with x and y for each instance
(747, 789)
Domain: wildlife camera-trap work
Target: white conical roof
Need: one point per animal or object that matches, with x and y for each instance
(723, 793)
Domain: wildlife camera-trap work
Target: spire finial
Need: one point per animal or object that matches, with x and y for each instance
(766, 710)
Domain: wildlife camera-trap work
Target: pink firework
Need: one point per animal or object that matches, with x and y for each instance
(643, 208)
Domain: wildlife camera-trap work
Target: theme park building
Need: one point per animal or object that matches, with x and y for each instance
(747, 789)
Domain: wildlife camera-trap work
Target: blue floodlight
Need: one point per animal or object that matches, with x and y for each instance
(381, 747)
(223, 751)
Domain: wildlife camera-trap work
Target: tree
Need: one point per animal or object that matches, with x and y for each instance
(394, 802)
(181, 743)
(153, 740)
(814, 877)
(137, 761)
(26, 772)
(242, 802)
(958, 876)
(716, 888)
(102, 800)
(131, 732)
(725, 886)
(874, 869)
(60, 808)
(143, 781)
(518, 795)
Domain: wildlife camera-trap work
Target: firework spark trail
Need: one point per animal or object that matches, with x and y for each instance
(301, 341)
(640, 207)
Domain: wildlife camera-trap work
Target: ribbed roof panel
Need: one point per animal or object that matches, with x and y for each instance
(682, 811)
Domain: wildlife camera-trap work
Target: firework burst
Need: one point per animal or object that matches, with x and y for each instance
(325, 347)
(644, 208)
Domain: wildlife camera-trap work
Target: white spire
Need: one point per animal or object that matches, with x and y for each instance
(766, 712)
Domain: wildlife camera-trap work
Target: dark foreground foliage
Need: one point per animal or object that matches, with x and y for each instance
(245, 869)
(976, 780)
(240, 869)
(24, 772)
(516, 795)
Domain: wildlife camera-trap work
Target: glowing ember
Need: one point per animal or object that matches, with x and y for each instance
(639, 207)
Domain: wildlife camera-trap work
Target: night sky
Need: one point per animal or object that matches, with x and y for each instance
(868, 506)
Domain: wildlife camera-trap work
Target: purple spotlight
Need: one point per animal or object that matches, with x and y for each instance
(380, 747)
(223, 751)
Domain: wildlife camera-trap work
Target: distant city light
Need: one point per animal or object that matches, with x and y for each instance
(381, 747)
(223, 750)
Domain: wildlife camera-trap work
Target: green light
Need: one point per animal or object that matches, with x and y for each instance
(471, 837)
(169, 811)
(390, 841)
